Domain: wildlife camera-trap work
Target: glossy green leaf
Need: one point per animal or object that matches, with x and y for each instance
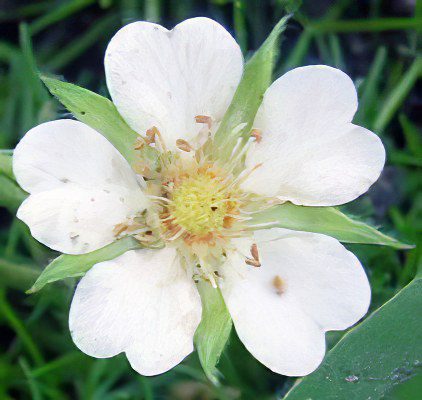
(326, 220)
(213, 331)
(97, 112)
(248, 96)
(373, 358)
(70, 266)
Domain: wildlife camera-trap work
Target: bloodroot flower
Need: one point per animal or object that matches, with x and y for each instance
(193, 211)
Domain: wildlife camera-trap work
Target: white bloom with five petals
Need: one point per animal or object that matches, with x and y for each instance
(284, 293)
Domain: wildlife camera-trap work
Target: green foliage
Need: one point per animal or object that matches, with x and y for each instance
(326, 220)
(248, 96)
(6, 167)
(71, 266)
(213, 331)
(11, 195)
(382, 352)
(97, 112)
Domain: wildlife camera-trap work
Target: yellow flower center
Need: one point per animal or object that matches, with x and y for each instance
(201, 204)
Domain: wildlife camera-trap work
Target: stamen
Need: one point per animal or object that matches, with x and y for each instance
(152, 134)
(179, 233)
(245, 174)
(183, 145)
(254, 261)
(204, 119)
(139, 143)
(165, 199)
(257, 134)
(119, 229)
(263, 225)
(254, 252)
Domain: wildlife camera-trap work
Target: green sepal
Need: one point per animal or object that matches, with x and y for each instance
(71, 266)
(326, 220)
(100, 114)
(213, 332)
(256, 78)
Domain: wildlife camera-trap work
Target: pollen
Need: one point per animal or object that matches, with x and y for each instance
(202, 203)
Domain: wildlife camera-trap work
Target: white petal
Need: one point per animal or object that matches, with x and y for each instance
(76, 220)
(323, 288)
(165, 78)
(311, 153)
(80, 186)
(142, 303)
(66, 151)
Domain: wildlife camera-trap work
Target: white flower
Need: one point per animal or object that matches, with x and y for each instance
(284, 289)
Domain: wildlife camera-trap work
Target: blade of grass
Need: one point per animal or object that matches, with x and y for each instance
(398, 96)
(146, 388)
(368, 99)
(16, 276)
(152, 10)
(366, 25)
(336, 51)
(18, 326)
(6, 167)
(38, 89)
(299, 52)
(239, 18)
(81, 44)
(11, 195)
(59, 13)
(33, 385)
(412, 135)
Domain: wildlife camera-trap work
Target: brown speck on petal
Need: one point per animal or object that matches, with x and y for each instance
(278, 285)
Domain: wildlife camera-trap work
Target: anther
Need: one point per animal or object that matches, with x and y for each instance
(204, 119)
(254, 252)
(140, 142)
(183, 145)
(254, 261)
(150, 135)
(119, 229)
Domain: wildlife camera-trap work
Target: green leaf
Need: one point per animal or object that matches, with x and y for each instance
(70, 266)
(213, 331)
(97, 112)
(371, 359)
(249, 94)
(326, 220)
(11, 195)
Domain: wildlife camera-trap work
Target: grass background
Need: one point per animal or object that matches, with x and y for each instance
(374, 41)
